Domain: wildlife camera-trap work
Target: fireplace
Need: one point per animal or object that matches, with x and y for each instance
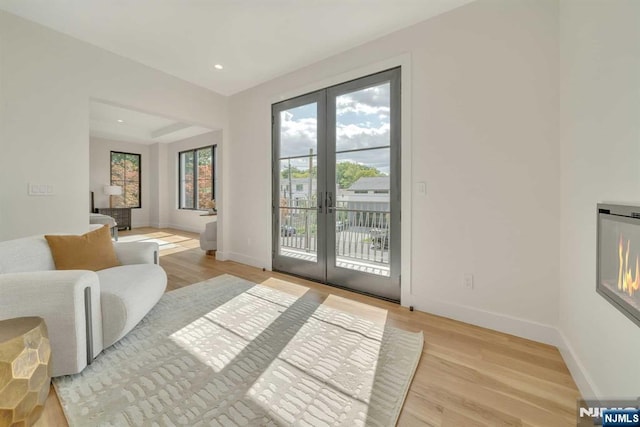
(618, 264)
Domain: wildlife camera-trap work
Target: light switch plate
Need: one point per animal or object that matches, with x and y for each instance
(40, 189)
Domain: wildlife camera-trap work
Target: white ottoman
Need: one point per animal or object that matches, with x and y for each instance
(209, 237)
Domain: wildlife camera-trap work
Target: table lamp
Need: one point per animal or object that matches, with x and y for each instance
(112, 190)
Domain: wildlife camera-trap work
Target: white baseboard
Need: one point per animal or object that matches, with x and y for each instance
(169, 225)
(159, 225)
(221, 256)
(150, 224)
(181, 227)
(523, 328)
(582, 379)
(243, 259)
(498, 322)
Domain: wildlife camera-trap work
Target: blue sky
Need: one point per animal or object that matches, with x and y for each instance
(362, 121)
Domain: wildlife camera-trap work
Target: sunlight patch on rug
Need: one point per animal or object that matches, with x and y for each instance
(218, 337)
(228, 352)
(327, 372)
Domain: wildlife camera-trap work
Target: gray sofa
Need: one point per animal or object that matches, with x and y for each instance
(85, 311)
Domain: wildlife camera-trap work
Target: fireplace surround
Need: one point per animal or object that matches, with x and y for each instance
(618, 257)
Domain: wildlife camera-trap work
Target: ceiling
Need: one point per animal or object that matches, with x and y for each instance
(122, 124)
(255, 40)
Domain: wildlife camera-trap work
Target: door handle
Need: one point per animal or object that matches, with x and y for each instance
(329, 202)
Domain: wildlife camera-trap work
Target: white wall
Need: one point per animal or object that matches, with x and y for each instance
(100, 175)
(158, 187)
(183, 219)
(46, 80)
(600, 143)
(483, 129)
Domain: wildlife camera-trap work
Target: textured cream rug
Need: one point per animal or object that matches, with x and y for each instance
(227, 352)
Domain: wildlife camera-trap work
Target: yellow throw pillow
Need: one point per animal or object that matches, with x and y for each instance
(91, 251)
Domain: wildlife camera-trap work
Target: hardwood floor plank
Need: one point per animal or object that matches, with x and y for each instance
(539, 387)
(467, 376)
(421, 411)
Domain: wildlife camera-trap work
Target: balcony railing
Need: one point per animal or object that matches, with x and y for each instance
(361, 235)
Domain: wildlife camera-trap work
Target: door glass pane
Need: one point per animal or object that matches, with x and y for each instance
(362, 118)
(298, 183)
(299, 131)
(363, 210)
(363, 165)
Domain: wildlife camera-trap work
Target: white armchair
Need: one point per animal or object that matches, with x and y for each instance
(85, 311)
(59, 298)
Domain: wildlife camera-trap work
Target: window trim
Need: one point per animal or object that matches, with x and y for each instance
(124, 186)
(195, 179)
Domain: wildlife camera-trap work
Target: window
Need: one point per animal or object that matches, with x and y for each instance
(299, 187)
(197, 177)
(125, 173)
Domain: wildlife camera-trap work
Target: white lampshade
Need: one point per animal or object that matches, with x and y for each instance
(112, 190)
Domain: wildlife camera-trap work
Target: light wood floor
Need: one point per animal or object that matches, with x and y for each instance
(467, 376)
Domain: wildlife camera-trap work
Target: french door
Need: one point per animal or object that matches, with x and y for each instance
(336, 185)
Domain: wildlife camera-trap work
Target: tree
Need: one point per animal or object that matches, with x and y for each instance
(125, 173)
(348, 172)
(298, 173)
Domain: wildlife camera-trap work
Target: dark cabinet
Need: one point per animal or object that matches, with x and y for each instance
(121, 215)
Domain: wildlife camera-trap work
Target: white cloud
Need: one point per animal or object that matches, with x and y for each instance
(373, 100)
(353, 137)
(297, 136)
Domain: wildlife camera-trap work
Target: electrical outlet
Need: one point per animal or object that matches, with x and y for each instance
(468, 281)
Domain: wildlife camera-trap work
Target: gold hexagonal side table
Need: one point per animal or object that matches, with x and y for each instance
(25, 370)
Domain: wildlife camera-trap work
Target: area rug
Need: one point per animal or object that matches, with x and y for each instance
(228, 352)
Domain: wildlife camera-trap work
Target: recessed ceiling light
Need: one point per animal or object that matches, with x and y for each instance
(218, 67)
(120, 121)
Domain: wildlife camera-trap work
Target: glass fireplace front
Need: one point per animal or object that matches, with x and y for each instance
(618, 268)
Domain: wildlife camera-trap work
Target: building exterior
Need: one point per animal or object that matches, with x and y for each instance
(298, 190)
(366, 194)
